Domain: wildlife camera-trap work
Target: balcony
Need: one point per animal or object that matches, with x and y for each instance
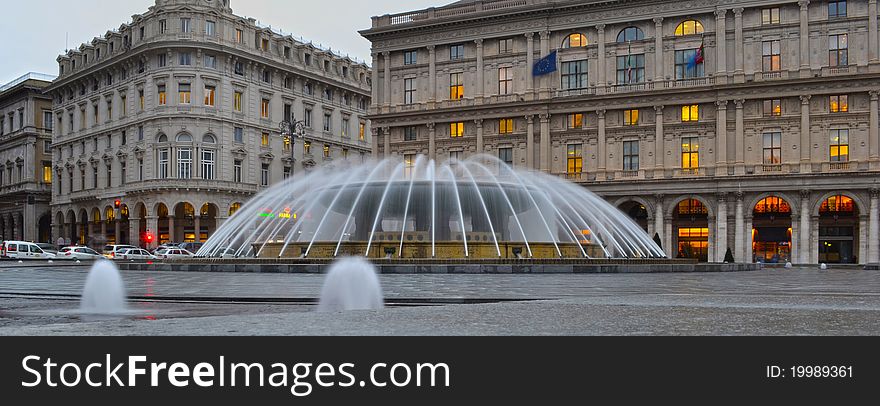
(840, 166)
(587, 91)
(629, 88)
(691, 82)
(689, 172)
(771, 168)
(153, 185)
(838, 70)
(454, 10)
(772, 75)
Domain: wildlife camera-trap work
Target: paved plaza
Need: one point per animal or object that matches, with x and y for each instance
(37, 300)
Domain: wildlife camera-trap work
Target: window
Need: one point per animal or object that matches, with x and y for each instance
(505, 155)
(286, 143)
(209, 95)
(575, 40)
(163, 26)
(264, 108)
(267, 76)
(109, 110)
(184, 91)
(690, 113)
(164, 155)
(773, 108)
(836, 9)
(109, 178)
(345, 124)
(287, 52)
(124, 138)
(410, 133)
(456, 86)
(47, 172)
(772, 62)
(409, 91)
(307, 59)
(362, 131)
(630, 34)
(327, 122)
(838, 50)
(308, 89)
(163, 60)
(288, 111)
(456, 130)
(239, 68)
(690, 153)
(185, 25)
(688, 64)
(410, 57)
(264, 44)
(772, 148)
(575, 121)
(236, 102)
(185, 59)
(630, 69)
(208, 158)
(839, 104)
(209, 28)
(574, 75)
(505, 46)
(505, 80)
(141, 99)
(630, 117)
(48, 121)
(575, 159)
(122, 172)
(456, 52)
(770, 16)
(94, 114)
(630, 155)
(239, 36)
(409, 165)
(140, 133)
(505, 126)
(326, 151)
(307, 148)
(264, 140)
(239, 135)
(689, 27)
(211, 61)
(839, 145)
(264, 175)
(236, 171)
(307, 117)
(123, 105)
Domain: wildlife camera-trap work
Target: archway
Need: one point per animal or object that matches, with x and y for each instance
(771, 232)
(84, 226)
(207, 221)
(72, 235)
(691, 230)
(44, 228)
(109, 226)
(60, 230)
(637, 212)
(163, 224)
(123, 225)
(838, 230)
(184, 223)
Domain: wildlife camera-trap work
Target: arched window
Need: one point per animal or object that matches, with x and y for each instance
(184, 137)
(209, 139)
(575, 40)
(630, 34)
(692, 206)
(162, 138)
(233, 208)
(772, 205)
(689, 27)
(838, 204)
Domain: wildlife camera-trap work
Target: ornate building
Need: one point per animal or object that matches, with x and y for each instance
(718, 125)
(167, 125)
(25, 159)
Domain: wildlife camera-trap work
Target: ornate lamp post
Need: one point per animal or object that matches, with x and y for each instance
(291, 129)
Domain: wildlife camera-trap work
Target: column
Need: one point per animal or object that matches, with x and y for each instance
(386, 137)
(545, 50)
(721, 228)
(197, 227)
(375, 88)
(804, 229)
(16, 224)
(530, 142)
(713, 240)
(874, 125)
(740, 137)
(721, 139)
(874, 228)
(739, 234)
(602, 146)
(749, 226)
(29, 223)
(171, 231)
(374, 140)
(872, 32)
(814, 240)
(804, 54)
(432, 73)
(740, 41)
(863, 240)
(659, 142)
(545, 143)
(601, 62)
(117, 230)
(479, 123)
(134, 231)
(104, 229)
(658, 222)
(671, 250)
(530, 61)
(658, 49)
(386, 98)
(153, 227)
(721, 42)
(805, 144)
(480, 82)
(432, 141)
(795, 236)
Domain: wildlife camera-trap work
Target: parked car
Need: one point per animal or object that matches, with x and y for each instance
(23, 250)
(76, 252)
(191, 246)
(173, 253)
(48, 248)
(110, 251)
(134, 253)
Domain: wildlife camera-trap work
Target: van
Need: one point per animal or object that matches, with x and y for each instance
(23, 250)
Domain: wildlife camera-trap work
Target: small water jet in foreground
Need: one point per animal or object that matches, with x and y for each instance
(351, 284)
(104, 292)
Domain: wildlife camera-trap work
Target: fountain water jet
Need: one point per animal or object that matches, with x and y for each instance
(351, 284)
(104, 292)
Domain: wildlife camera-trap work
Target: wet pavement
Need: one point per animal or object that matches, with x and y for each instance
(38, 300)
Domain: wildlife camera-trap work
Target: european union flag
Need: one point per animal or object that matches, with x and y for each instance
(545, 65)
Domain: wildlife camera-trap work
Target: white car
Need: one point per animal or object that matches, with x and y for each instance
(111, 251)
(82, 253)
(173, 253)
(23, 250)
(134, 253)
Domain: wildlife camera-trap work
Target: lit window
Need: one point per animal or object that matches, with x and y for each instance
(307, 148)
(326, 151)
(236, 102)
(630, 117)
(185, 93)
(505, 126)
(773, 108)
(456, 86)
(690, 113)
(689, 27)
(209, 96)
(839, 104)
(838, 204)
(690, 153)
(456, 130)
(772, 205)
(505, 80)
(692, 206)
(239, 36)
(362, 129)
(575, 159)
(47, 172)
(264, 140)
(575, 121)
(838, 50)
(264, 109)
(409, 165)
(575, 40)
(839, 145)
(772, 60)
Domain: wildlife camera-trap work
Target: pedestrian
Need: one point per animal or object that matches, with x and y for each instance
(60, 242)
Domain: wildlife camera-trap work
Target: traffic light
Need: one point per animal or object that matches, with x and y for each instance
(117, 203)
(148, 237)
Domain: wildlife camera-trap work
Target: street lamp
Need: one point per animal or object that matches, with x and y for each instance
(291, 129)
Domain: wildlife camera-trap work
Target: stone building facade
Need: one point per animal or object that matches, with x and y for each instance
(749, 126)
(168, 124)
(25, 159)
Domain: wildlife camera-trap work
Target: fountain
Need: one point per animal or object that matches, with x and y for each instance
(479, 208)
(104, 292)
(351, 284)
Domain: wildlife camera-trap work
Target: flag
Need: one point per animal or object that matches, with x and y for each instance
(545, 65)
(699, 56)
(629, 64)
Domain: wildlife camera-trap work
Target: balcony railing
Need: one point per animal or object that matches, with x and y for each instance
(692, 82)
(839, 166)
(634, 87)
(771, 168)
(448, 11)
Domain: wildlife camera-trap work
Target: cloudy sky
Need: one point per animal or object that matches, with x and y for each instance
(34, 31)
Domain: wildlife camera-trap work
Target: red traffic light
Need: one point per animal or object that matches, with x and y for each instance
(148, 237)
(117, 203)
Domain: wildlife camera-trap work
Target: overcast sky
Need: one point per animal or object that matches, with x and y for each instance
(34, 31)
